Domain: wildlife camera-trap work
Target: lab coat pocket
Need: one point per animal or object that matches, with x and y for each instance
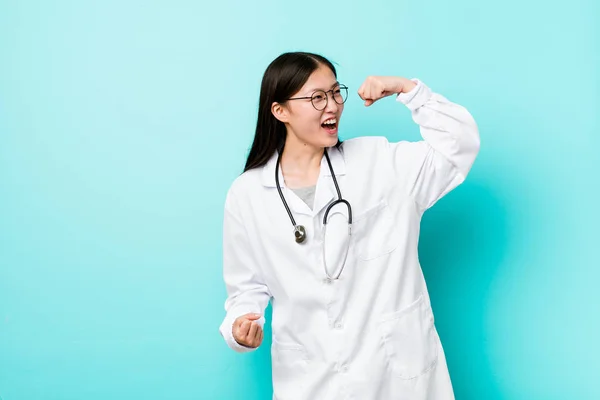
(289, 362)
(410, 340)
(374, 233)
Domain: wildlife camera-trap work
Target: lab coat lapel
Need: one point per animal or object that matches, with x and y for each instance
(325, 191)
(324, 194)
(296, 204)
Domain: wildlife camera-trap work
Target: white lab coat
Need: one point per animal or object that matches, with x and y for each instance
(369, 335)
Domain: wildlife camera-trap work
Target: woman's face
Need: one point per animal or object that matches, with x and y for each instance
(318, 128)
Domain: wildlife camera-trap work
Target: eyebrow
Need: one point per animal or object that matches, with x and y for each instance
(332, 86)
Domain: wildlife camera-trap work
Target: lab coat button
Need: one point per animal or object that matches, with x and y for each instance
(339, 326)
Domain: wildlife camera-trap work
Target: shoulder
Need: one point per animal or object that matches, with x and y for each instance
(364, 147)
(377, 153)
(380, 145)
(364, 143)
(242, 186)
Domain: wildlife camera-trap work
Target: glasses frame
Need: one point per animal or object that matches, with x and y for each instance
(311, 97)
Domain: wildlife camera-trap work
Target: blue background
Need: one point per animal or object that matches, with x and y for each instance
(122, 125)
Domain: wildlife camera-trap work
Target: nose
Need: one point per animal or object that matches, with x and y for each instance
(332, 105)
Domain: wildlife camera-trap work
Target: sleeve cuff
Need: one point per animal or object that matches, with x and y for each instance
(417, 97)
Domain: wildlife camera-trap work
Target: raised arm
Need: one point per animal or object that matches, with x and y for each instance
(427, 169)
(444, 158)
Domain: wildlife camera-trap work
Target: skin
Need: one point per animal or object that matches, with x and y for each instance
(246, 331)
(304, 147)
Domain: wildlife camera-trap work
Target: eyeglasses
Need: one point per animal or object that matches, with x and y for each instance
(319, 98)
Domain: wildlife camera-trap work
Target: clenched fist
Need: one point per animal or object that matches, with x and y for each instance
(246, 331)
(378, 87)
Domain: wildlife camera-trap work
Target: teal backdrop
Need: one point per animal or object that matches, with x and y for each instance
(123, 123)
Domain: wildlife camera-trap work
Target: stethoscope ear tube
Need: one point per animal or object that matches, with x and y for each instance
(299, 230)
(338, 201)
(325, 267)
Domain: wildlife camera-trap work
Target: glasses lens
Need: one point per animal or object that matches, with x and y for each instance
(319, 100)
(340, 94)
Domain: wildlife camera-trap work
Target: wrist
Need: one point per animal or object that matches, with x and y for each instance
(407, 85)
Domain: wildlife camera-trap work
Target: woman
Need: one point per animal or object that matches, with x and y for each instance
(352, 317)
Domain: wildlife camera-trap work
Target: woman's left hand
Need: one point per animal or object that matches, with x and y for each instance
(378, 87)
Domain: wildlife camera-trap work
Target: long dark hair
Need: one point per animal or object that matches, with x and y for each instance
(282, 78)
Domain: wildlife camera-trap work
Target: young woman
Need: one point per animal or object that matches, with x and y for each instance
(328, 232)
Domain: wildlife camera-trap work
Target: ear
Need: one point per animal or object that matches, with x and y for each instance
(280, 112)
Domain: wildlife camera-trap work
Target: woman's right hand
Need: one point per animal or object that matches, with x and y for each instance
(246, 331)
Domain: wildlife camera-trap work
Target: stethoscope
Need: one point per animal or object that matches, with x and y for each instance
(300, 231)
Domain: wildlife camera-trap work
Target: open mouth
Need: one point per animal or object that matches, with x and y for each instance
(330, 125)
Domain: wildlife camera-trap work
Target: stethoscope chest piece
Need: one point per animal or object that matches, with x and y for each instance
(300, 234)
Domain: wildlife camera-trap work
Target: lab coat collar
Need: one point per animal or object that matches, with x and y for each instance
(335, 156)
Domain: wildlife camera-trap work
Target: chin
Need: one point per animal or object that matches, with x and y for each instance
(321, 140)
(330, 141)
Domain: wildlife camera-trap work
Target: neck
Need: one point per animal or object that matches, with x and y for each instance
(300, 162)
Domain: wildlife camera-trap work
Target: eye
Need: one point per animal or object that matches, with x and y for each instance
(318, 97)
